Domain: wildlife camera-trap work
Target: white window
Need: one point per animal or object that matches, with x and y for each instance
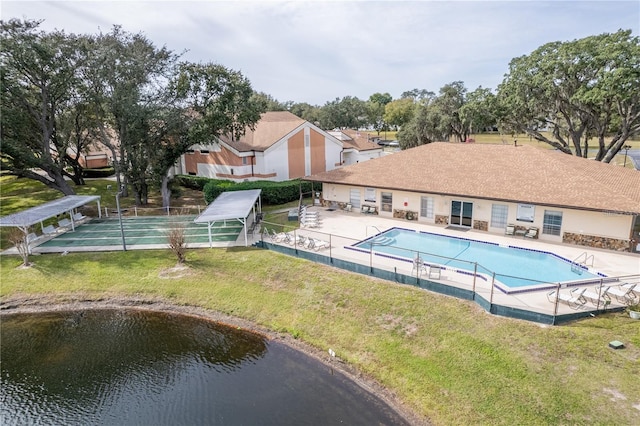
(426, 207)
(526, 212)
(552, 222)
(499, 214)
(244, 161)
(370, 195)
(354, 198)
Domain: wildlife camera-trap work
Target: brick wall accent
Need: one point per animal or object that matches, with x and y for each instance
(402, 214)
(595, 241)
(481, 225)
(442, 220)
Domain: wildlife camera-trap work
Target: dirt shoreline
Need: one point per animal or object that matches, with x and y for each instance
(19, 304)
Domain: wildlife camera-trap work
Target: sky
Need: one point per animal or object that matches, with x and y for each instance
(316, 52)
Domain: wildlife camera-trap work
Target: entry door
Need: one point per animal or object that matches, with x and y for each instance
(461, 213)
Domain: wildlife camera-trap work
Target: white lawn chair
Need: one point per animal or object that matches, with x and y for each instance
(320, 244)
(49, 229)
(597, 297)
(575, 299)
(622, 294)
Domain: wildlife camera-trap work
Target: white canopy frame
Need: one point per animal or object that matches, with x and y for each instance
(232, 205)
(26, 218)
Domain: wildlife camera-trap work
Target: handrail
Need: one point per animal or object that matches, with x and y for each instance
(586, 259)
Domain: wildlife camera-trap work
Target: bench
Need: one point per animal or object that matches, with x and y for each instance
(64, 223)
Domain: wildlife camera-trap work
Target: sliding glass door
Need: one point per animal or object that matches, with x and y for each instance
(461, 213)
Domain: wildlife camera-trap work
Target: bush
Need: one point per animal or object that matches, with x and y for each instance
(98, 173)
(192, 182)
(273, 193)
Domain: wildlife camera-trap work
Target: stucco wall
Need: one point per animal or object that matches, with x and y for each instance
(594, 226)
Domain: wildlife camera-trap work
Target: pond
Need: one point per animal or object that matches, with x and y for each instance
(120, 367)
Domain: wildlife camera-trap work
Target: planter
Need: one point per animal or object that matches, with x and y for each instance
(634, 314)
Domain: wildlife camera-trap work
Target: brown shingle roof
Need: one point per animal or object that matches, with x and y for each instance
(523, 174)
(272, 127)
(359, 141)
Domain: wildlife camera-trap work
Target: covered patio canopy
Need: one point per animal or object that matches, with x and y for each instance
(232, 205)
(39, 214)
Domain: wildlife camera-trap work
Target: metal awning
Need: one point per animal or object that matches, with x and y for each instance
(236, 205)
(38, 214)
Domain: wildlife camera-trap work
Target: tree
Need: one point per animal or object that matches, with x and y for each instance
(479, 110)
(450, 101)
(399, 112)
(375, 110)
(427, 125)
(565, 93)
(346, 113)
(306, 111)
(39, 80)
(126, 78)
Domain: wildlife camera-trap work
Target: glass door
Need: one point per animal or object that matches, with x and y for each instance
(461, 213)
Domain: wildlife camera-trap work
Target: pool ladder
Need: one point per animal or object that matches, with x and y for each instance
(581, 262)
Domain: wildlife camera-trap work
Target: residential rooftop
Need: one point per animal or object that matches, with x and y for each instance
(271, 127)
(523, 174)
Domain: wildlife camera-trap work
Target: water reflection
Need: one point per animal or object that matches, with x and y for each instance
(133, 367)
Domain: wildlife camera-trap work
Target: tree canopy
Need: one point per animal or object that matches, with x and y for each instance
(574, 91)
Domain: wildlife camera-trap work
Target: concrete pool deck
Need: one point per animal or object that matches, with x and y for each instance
(346, 228)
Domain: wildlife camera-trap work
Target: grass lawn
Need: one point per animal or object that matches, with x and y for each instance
(446, 358)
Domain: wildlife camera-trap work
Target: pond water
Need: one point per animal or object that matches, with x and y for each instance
(126, 367)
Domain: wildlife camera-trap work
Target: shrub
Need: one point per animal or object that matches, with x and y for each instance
(272, 192)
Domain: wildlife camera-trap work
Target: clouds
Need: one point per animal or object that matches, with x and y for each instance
(309, 51)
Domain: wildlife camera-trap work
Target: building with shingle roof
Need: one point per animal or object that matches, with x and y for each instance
(282, 146)
(357, 146)
(487, 187)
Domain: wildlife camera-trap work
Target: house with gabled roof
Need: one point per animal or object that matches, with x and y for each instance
(282, 146)
(488, 187)
(358, 146)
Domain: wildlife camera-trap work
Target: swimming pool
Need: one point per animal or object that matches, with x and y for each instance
(515, 267)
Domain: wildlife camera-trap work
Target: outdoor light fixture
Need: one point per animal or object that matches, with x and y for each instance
(626, 150)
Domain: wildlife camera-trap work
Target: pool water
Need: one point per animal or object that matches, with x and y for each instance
(514, 267)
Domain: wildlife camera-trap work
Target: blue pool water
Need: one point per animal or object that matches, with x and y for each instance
(514, 267)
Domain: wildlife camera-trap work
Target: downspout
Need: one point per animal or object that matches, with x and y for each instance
(252, 161)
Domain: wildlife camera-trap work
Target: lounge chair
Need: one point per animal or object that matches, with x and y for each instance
(320, 244)
(635, 288)
(64, 223)
(511, 229)
(49, 229)
(622, 294)
(575, 299)
(597, 297)
(531, 232)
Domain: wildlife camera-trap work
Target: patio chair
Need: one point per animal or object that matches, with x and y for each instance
(418, 265)
(622, 294)
(511, 229)
(364, 209)
(531, 232)
(575, 299)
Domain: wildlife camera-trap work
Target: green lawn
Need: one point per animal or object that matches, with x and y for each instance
(447, 359)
